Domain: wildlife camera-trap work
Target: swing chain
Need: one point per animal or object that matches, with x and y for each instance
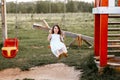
(16, 25)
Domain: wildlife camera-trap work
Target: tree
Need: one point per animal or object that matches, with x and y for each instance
(48, 6)
(11, 7)
(42, 7)
(71, 6)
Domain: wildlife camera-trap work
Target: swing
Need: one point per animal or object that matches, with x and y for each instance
(10, 46)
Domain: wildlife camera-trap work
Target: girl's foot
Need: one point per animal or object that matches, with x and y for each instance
(65, 54)
(60, 56)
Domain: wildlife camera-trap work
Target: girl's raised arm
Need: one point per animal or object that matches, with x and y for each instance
(62, 36)
(50, 35)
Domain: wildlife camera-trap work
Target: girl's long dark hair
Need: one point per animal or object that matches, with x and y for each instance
(59, 30)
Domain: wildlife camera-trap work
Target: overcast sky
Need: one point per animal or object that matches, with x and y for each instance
(51, 0)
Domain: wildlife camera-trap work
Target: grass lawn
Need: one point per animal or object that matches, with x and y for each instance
(33, 44)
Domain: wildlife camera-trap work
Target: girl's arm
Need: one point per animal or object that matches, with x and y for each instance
(62, 37)
(50, 35)
(63, 34)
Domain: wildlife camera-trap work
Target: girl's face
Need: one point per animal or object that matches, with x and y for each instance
(56, 30)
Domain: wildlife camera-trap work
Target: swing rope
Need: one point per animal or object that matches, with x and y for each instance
(64, 16)
(16, 18)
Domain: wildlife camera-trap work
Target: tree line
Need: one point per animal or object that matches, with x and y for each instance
(49, 7)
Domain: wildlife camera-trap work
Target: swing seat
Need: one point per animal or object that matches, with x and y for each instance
(9, 52)
(10, 48)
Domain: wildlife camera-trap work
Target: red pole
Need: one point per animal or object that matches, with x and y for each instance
(103, 35)
(118, 2)
(97, 31)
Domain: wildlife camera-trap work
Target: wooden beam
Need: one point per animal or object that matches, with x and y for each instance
(113, 29)
(74, 35)
(46, 24)
(66, 33)
(113, 35)
(79, 40)
(3, 16)
(88, 43)
(72, 42)
(113, 46)
(113, 51)
(114, 16)
(109, 63)
(37, 26)
(108, 56)
(113, 41)
(113, 23)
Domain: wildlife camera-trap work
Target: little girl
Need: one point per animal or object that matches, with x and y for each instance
(55, 37)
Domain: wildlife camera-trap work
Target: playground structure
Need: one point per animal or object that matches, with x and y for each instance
(78, 38)
(103, 10)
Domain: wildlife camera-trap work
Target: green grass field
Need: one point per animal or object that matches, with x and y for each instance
(33, 44)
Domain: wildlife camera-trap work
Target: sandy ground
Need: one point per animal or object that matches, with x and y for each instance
(58, 71)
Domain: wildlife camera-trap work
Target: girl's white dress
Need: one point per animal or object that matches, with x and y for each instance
(57, 47)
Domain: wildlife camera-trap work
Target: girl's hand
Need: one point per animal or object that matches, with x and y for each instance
(61, 38)
(63, 34)
(50, 31)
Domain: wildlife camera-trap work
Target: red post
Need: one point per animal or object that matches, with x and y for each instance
(97, 31)
(118, 2)
(97, 35)
(103, 35)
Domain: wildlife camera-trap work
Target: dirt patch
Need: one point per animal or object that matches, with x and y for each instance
(57, 71)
